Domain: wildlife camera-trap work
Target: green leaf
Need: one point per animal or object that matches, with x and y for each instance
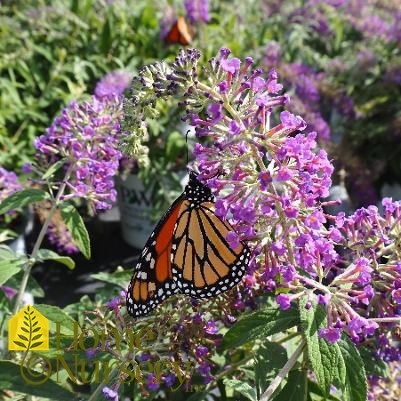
(200, 396)
(373, 366)
(76, 227)
(6, 253)
(57, 315)
(325, 358)
(106, 36)
(33, 287)
(8, 268)
(356, 388)
(241, 387)
(260, 324)
(54, 168)
(47, 254)
(119, 277)
(318, 395)
(295, 389)
(270, 359)
(175, 143)
(11, 378)
(22, 198)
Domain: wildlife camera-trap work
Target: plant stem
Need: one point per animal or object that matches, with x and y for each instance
(283, 373)
(31, 261)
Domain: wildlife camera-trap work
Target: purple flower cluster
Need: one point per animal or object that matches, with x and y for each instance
(197, 10)
(110, 394)
(269, 182)
(168, 19)
(113, 85)
(60, 237)
(8, 183)
(86, 135)
(306, 99)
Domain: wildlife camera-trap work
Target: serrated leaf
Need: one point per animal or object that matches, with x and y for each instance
(269, 360)
(20, 344)
(117, 278)
(295, 389)
(22, 198)
(8, 268)
(77, 228)
(373, 366)
(325, 358)
(32, 287)
(54, 168)
(57, 315)
(36, 344)
(356, 388)
(47, 254)
(314, 389)
(260, 324)
(6, 253)
(11, 378)
(241, 387)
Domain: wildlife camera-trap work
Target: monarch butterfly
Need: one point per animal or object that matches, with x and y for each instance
(179, 33)
(186, 253)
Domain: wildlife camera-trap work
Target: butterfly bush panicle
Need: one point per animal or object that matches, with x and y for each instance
(110, 394)
(61, 238)
(269, 179)
(197, 10)
(9, 184)
(86, 135)
(113, 84)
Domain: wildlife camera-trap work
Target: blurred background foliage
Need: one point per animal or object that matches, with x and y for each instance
(340, 61)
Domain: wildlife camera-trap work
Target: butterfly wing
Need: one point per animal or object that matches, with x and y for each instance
(179, 33)
(187, 252)
(203, 263)
(152, 281)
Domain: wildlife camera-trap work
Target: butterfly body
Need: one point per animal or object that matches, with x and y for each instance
(186, 253)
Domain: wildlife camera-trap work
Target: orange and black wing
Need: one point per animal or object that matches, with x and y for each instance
(179, 33)
(152, 281)
(203, 263)
(188, 253)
